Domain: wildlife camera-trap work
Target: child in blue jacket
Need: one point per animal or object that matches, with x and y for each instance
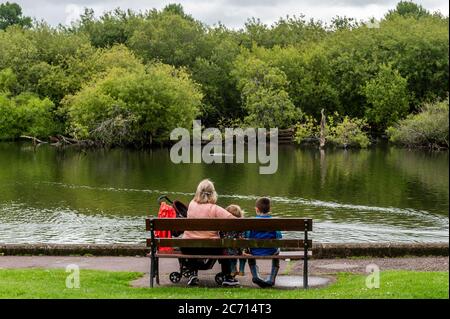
(263, 210)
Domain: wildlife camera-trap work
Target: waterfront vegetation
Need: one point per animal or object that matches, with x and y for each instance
(128, 78)
(427, 128)
(51, 283)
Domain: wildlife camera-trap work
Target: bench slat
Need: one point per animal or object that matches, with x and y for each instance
(230, 224)
(229, 243)
(294, 255)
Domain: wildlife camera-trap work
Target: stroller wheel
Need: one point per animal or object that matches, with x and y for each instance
(219, 278)
(187, 273)
(175, 277)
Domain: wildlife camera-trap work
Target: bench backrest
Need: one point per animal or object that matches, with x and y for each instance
(229, 224)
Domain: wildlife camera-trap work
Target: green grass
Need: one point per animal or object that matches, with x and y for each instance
(40, 283)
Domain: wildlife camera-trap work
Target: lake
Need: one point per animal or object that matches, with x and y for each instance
(102, 196)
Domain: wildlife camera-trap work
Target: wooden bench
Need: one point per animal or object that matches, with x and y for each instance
(239, 224)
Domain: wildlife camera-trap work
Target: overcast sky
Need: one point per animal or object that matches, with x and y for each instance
(232, 13)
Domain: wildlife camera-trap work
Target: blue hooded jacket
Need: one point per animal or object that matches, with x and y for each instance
(253, 234)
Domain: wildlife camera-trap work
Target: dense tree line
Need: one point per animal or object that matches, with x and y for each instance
(130, 77)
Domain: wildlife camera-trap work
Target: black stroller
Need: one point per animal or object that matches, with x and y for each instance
(201, 264)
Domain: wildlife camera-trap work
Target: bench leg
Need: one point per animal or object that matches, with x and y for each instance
(157, 270)
(305, 258)
(152, 270)
(305, 272)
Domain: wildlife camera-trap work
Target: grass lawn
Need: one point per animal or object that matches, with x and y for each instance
(41, 283)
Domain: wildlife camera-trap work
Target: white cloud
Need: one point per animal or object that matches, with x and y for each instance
(72, 12)
(232, 13)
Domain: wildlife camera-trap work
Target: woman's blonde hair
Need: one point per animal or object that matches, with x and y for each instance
(206, 193)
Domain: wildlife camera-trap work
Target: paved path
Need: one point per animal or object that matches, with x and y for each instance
(322, 271)
(141, 264)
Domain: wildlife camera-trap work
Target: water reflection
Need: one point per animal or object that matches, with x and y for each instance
(382, 194)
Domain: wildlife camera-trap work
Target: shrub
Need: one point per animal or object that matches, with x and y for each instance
(308, 128)
(25, 114)
(429, 127)
(134, 106)
(348, 132)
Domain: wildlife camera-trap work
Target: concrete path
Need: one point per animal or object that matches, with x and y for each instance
(322, 271)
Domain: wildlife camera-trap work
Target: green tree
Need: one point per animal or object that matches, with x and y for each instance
(11, 14)
(408, 9)
(8, 80)
(17, 50)
(343, 23)
(417, 48)
(171, 38)
(263, 90)
(134, 106)
(387, 97)
(309, 76)
(25, 114)
(113, 27)
(222, 98)
(255, 32)
(176, 8)
(269, 108)
(296, 31)
(42, 59)
(61, 64)
(284, 32)
(259, 73)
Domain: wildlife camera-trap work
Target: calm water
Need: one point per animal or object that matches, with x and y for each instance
(377, 195)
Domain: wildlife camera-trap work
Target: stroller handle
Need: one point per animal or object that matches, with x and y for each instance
(164, 197)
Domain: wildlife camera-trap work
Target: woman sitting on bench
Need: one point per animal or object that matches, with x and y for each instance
(204, 206)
